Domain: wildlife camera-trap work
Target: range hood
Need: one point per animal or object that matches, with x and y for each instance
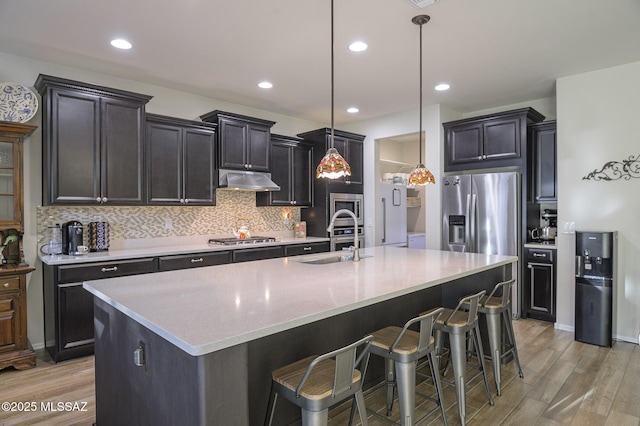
(246, 181)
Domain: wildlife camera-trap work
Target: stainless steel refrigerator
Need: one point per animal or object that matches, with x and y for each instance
(480, 214)
(394, 214)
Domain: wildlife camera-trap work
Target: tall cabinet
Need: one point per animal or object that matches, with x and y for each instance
(15, 349)
(93, 139)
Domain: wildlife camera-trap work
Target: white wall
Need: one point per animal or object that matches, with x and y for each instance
(598, 114)
(401, 124)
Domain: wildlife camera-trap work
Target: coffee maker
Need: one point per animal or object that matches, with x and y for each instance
(71, 237)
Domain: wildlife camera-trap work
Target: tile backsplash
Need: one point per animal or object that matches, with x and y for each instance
(137, 222)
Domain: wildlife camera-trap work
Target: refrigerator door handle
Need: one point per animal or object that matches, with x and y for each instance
(472, 206)
(467, 225)
(384, 220)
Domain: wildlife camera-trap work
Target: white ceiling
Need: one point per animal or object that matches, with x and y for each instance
(492, 52)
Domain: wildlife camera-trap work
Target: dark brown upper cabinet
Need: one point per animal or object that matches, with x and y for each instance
(291, 170)
(489, 141)
(543, 167)
(243, 142)
(350, 146)
(93, 143)
(181, 161)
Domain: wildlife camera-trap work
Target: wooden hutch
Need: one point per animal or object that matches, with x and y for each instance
(15, 349)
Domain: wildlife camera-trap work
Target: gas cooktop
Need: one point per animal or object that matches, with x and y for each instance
(241, 241)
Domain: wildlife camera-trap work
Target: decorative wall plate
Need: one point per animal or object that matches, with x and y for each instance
(17, 103)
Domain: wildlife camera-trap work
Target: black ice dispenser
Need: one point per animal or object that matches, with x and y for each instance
(595, 268)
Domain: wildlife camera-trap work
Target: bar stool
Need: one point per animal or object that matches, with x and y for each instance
(401, 349)
(459, 324)
(494, 308)
(318, 382)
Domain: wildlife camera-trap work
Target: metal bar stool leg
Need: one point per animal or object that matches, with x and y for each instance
(406, 377)
(273, 396)
(480, 350)
(438, 385)
(493, 328)
(512, 338)
(391, 382)
(315, 418)
(457, 342)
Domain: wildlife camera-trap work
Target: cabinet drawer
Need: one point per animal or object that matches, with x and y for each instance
(170, 263)
(244, 255)
(100, 270)
(310, 248)
(9, 284)
(540, 256)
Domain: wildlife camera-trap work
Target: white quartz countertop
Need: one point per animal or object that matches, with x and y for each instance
(203, 310)
(165, 250)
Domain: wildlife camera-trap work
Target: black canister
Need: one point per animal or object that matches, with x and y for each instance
(71, 237)
(98, 236)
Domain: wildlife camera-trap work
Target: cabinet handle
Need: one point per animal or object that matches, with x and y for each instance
(250, 166)
(197, 260)
(5, 285)
(181, 200)
(112, 269)
(99, 199)
(104, 199)
(539, 255)
(295, 202)
(186, 201)
(138, 356)
(307, 248)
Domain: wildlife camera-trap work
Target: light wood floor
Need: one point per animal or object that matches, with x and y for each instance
(566, 382)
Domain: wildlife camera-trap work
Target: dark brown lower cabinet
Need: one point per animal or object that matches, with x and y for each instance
(68, 307)
(540, 284)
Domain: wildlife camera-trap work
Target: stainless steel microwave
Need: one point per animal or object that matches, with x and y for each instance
(352, 202)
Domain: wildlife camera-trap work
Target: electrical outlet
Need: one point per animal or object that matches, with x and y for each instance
(168, 223)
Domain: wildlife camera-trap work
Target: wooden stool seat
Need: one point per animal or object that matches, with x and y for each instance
(407, 344)
(318, 385)
(458, 319)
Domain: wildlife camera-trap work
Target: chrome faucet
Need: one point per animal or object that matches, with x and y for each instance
(356, 249)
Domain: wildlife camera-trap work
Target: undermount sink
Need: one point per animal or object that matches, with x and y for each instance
(331, 259)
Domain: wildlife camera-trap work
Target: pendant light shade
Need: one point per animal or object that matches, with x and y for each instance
(332, 165)
(421, 175)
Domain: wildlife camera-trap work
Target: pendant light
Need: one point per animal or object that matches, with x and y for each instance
(332, 165)
(421, 175)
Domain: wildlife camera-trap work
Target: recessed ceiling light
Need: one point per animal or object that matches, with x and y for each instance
(358, 46)
(352, 110)
(121, 43)
(442, 87)
(265, 85)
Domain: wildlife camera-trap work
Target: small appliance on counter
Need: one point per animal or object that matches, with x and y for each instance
(53, 238)
(98, 236)
(545, 234)
(72, 238)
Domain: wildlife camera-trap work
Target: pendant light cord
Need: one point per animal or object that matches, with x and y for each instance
(332, 88)
(420, 135)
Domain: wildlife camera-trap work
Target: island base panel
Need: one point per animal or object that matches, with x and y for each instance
(173, 387)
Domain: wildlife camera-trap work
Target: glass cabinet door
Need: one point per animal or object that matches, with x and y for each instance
(8, 210)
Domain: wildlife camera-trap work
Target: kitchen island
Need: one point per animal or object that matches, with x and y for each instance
(205, 341)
